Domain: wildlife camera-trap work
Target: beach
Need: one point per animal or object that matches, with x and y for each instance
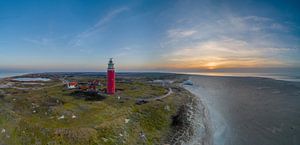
(249, 110)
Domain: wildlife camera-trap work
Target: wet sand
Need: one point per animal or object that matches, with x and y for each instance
(250, 111)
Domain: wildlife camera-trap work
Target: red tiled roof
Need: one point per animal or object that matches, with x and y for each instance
(73, 83)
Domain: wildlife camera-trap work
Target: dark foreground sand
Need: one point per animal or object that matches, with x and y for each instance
(250, 111)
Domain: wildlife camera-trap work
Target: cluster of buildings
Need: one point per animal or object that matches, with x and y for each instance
(92, 85)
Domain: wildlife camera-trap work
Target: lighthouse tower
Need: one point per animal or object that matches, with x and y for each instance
(111, 86)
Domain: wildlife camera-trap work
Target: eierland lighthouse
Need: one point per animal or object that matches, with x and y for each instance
(111, 76)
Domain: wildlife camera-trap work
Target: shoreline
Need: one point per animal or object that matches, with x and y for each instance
(274, 76)
(10, 75)
(191, 123)
(201, 122)
(213, 121)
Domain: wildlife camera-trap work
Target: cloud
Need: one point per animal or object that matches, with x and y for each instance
(177, 33)
(206, 28)
(101, 22)
(125, 51)
(41, 41)
(97, 26)
(227, 41)
(46, 42)
(224, 53)
(253, 23)
(280, 27)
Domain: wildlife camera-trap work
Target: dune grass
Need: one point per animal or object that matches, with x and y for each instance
(53, 116)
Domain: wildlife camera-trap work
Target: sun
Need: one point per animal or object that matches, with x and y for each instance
(211, 65)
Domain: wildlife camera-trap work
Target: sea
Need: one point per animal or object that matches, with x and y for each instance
(10, 74)
(294, 76)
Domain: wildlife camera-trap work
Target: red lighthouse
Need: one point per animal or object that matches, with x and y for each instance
(111, 86)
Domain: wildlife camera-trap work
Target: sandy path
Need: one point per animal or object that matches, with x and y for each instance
(158, 97)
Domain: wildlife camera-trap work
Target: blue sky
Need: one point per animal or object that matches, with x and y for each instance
(187, 35)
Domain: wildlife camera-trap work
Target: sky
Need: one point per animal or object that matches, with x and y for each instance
(149, 35)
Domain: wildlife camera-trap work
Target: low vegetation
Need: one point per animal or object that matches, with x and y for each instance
(51, 114)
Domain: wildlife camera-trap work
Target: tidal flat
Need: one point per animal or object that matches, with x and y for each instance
(250, 110)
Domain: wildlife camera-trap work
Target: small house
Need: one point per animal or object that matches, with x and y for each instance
(72, 85)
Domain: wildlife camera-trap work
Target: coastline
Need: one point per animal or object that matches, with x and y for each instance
(9, 75)
(216, 124)
(191, 124)
(292, 77)
(249, 110)
(200, 122)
